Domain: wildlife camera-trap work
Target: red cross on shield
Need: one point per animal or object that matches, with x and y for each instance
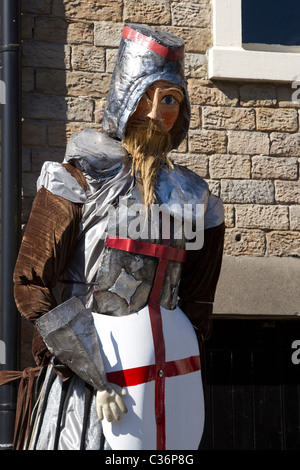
(154, 354)
(129, 360)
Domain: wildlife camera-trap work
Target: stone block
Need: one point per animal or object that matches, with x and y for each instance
(26, 27)
(253, 286)
(214, 186)
(279, 119)
(87, 84)
(111, 56)
(210, 94)
(50, 81)
(57, 134)
(29, 183)
(50, 29)
(107, 34)
(80, 32)
(99, 10)
(248, 143)
(285, 144)
(197, 163)
(226, 117)
(286, 98)
(182, 147)
(196, 13)
(34, 133)
(274, 168)
(26, 158)
(268, 217)
(37, 7)
(88, 58)
(45, 54)
(195, 65)
(147, 11)
(229, 215)
(43, 154)
(244, 242)
(27, 79)
(283, 243)
(196, 40)
(59, 108)
(247, 191)
(207, 141)
(75, 83)
(287, 192)
(99, 109)
(195, 122)
(229, 166)
(258, 94)
(295, 217)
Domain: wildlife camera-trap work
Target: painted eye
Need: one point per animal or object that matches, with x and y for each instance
(169, 99)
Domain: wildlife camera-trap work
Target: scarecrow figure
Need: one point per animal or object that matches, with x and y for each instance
(118, 268)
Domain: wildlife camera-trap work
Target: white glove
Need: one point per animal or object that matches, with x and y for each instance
(109, 403)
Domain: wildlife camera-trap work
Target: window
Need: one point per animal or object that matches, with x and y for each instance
(273, 22)
(255, 40)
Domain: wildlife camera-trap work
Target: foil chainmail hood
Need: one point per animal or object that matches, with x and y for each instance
(145, 56)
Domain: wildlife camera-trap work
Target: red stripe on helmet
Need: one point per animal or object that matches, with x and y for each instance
(149, 43)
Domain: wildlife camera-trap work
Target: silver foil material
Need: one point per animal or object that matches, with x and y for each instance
(136, 68)
(118, 268)
(70, 335)
(71, 424)
(59, 181)
(90, 266)
(113, 281)
(95, 145)
(110, 183)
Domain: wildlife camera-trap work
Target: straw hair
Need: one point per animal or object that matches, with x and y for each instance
(148, 143)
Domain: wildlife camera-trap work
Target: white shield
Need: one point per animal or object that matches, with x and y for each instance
(126, 343)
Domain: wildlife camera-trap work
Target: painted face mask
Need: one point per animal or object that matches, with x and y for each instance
(145, 56)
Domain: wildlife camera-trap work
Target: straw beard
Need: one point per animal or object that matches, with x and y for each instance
(148, 143)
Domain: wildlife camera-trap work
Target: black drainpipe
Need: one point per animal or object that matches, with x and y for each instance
(10, 207)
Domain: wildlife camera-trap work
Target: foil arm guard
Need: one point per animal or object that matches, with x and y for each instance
(70, 335)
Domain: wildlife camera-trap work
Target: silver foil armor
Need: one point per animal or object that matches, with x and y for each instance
(109, 280)
(124, 280)
(107, 170)
(69, 333)
(136, 68)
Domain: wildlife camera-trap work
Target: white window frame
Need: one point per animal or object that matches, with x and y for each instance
(228, 59)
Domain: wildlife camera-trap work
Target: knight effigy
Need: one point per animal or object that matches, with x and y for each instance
(118, 269)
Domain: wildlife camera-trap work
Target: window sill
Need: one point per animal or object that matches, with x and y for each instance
(236, 63)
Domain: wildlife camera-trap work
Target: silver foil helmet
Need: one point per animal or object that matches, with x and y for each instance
(145, 56)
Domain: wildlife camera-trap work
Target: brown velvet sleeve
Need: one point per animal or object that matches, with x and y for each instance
(46, 246)
(199, 281)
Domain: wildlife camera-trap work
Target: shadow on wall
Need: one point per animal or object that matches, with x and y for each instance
(46, 60)
(64, 81)
(66, 75)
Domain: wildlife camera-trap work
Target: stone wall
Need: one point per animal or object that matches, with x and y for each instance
(244, 137)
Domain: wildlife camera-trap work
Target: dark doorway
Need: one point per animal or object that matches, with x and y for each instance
(253, 386)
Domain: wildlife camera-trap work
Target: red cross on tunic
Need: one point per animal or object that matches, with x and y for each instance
(161, 369)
